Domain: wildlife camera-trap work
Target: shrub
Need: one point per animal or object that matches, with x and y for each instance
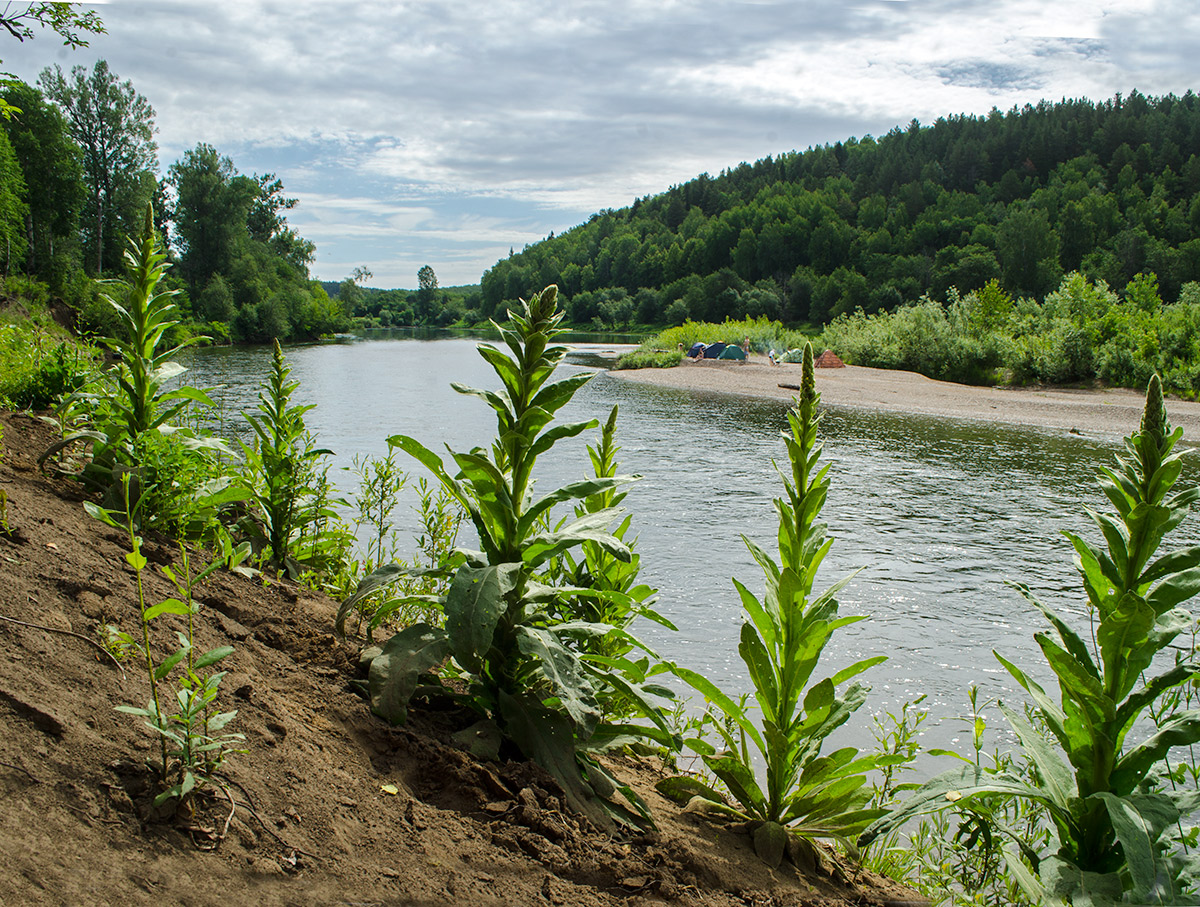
(36, 370)
(650, 359)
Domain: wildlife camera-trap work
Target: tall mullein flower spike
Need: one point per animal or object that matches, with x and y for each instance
(809, 398)
(1154, 419)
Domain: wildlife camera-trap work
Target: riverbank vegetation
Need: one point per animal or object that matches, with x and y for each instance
(524, 644)
(1082, 333)
(934, 249)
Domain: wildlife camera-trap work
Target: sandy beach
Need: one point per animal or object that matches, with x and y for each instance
(1106, 413)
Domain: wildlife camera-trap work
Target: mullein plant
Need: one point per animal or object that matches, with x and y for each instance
(516, 661)
(610, 590)
(282, 478)
(801, 793)
(137, 402)
(1097, 790)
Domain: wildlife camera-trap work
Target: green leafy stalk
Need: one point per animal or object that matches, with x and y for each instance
(147, 313)
(192, 741)
(131, 408)
(806, 793)
(1107, 817)
(281, 465)
(609, 589)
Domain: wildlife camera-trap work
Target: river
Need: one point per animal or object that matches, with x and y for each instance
(938, 513)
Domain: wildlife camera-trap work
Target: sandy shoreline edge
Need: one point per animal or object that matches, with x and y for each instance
(1108, 413)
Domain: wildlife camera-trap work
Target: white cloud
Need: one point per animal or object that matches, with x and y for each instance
(396, 123)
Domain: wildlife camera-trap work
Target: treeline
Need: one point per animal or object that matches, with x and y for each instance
(1107, 189)
(78, 166)
(427, 306)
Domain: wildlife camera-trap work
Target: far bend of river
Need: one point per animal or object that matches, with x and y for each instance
(939, 512)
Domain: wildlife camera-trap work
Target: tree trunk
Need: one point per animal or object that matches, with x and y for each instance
(99, 234)
(31, 265)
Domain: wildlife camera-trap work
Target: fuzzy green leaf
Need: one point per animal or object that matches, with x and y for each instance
(474, 603)
(394, 672)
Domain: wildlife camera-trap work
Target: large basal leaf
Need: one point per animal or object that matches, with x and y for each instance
(474, 604)
(562, 668)
(770, 842)
(546, 737)
(482, 739)
(739, 779)
(1134, 834)
(395, 671)
(682, 788)
(953, 786)
(1085, 889)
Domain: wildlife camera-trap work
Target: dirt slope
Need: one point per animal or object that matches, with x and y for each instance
(306, 819)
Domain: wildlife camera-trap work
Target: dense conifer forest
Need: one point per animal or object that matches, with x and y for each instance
(1109, 189)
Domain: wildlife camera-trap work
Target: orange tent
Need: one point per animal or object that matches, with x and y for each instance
(828, 359)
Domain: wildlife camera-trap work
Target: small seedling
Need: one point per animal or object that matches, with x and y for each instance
(192, 740)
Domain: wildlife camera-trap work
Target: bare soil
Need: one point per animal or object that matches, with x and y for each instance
(328, 805)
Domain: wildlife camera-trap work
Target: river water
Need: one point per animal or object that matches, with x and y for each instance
(938, 513)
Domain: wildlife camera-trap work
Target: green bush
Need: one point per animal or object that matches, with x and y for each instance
(650, 359)
(925, 337)
(764, 334)
(36, 369)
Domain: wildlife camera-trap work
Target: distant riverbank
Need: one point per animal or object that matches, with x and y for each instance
(1107, 412)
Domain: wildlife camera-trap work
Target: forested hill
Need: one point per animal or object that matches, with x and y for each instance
(1110, 189)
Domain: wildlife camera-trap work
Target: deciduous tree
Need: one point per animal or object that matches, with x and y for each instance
(114, 125)
(53, 169)
(65, 19)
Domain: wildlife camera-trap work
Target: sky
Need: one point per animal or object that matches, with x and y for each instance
(447, 133)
